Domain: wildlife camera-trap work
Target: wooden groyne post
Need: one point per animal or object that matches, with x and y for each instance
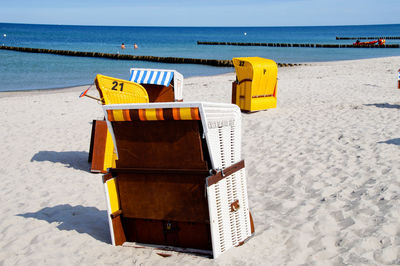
(172, 60)
(313, 45)
(368, 38)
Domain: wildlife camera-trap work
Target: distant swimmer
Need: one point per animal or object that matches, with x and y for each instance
(135, 46)
(123, 46)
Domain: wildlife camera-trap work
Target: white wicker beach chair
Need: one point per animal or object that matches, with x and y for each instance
(187, 147)
(159, 80)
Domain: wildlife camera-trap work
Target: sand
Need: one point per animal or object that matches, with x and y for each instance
(322, 168)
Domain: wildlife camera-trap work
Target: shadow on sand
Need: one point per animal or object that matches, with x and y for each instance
(72, 159)
(84, 220)
(392, 141)
(384, 105)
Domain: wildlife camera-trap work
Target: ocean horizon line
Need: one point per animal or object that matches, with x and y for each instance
(200, 26)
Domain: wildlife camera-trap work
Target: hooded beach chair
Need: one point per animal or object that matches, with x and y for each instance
(162, 85)
(255, 87)
(115, 91)
(179, 179)
(111, 91)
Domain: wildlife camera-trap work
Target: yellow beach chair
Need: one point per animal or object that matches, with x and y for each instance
(255, 87)
(112, 91)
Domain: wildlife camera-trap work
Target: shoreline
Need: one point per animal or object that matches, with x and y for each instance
(85, 86)
(43, 91)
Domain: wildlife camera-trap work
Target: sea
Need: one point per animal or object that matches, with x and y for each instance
(32, 71)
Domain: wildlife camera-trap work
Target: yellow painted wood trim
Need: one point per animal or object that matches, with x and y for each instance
(113, 195)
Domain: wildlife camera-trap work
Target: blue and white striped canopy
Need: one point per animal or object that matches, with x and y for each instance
(158, 77)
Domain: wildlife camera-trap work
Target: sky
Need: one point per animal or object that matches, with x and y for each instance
(201, 12)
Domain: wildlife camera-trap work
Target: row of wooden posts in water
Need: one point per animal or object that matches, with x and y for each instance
(173, 60)
(313, 45)
(368, 38)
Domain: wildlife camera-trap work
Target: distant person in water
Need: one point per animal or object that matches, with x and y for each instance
(123, 46)
(135, 46)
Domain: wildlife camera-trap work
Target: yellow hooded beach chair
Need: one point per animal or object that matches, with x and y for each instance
(255, 87)
(115, 91)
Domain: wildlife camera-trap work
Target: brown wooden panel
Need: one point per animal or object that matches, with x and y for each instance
(158, 171)
(119, 234)
(99, 146)
(159, 144)
(194, 235)
(234, 88)
(251, 224)
(172, 197)
(92, 141)
(178, 234)
(159, 93)
(143, 231)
